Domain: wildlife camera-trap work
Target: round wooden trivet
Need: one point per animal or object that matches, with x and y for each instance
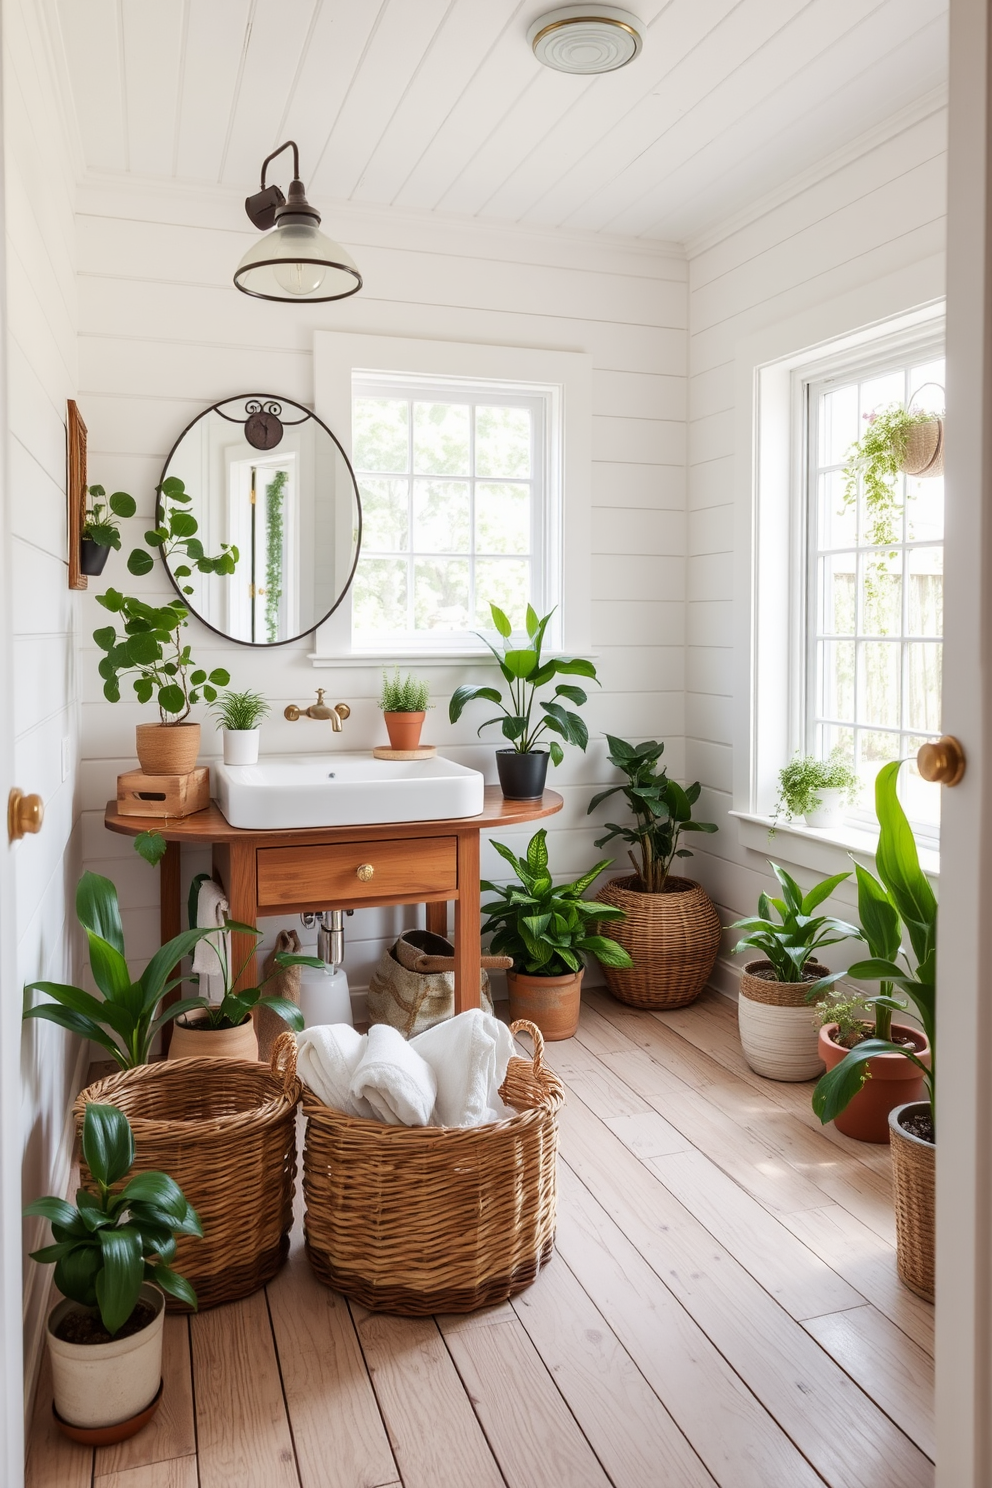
(425, 751)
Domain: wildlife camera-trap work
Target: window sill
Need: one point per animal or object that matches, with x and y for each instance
(822, 849)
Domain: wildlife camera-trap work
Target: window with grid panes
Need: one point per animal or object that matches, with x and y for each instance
(454, 486)
(875, 596)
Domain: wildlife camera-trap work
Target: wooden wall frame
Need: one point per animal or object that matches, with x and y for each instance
(75, 486)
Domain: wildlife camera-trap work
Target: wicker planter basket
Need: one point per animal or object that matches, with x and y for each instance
(778, 1027)
(672, 938)
(914, 1175)
(225, 1130)
(419, 1220)
(924, 449)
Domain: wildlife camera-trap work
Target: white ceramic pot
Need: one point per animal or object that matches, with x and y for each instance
(241, 746)
(190, 1042)
(101, 1384)
(830, 812)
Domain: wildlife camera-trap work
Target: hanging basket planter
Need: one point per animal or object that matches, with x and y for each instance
(923, 453)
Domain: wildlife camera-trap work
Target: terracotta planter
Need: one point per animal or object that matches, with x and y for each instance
(167, 748)
(101, 1384)
(893, 1081)
(191, 1042)
(778, 1027)
(550, 1002)
(672, 939)
(404, 729)
(914, 1179)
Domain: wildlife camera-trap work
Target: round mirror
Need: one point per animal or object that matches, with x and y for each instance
(264, 476)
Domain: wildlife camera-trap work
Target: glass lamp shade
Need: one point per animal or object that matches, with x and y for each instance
(295, 261)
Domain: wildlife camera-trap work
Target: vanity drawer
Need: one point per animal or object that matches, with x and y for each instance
(339, 874)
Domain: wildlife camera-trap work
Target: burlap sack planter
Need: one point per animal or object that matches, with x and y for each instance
(779, 1029)
(411, 1000)
(914, 1180)
(672, 939)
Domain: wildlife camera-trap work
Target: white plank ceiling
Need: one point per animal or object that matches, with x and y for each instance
(439, 105)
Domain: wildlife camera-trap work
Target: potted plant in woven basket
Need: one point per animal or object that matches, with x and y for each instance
(778, 1033)
(903, 899)
(111, 1252)
(548, 929)
(404, 703)
(670, 927)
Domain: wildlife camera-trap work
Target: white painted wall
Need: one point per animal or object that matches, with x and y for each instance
(41, 375)
(860, 238)
(163, 332)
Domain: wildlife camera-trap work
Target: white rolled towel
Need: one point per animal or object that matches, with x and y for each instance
(468, 1055)
(394, 1079)
(326, 1060)
(211, 909)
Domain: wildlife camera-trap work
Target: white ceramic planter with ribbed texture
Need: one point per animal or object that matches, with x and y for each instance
(779, 1041)
(101, 1384)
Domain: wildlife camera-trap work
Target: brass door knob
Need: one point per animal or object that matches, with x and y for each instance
(24, 814)
(943, 762)
(365, 871)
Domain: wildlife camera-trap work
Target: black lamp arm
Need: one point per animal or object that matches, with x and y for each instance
(289, 145)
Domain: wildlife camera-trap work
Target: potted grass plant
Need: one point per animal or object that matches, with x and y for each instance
(239, 715)
(112, 1252)
(100, 530)
(778, 1035)
(404, 703)
(523, 767)
(548, 929)
(670, 928)
(816, 789)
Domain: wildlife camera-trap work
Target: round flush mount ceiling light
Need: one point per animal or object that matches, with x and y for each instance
(586, 39)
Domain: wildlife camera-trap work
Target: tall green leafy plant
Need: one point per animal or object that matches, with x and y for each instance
(787, 932)
(661, 808)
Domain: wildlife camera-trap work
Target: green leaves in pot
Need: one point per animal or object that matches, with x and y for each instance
(786, 931)
(109, 1243)
(548, 928)
(525, 673)
(804, 777)
(98, 523)
(661, 808)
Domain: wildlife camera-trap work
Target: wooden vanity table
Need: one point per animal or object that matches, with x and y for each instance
(287, 872)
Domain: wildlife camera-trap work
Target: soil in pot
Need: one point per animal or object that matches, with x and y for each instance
(92, 557)
(672, 938)
(553, 1003)
(892, 1082)
(522, 776)
(192, 1039)
(778, 1028)
(404, 729)
(167, 748)
(914, 1180)
(87, 1327)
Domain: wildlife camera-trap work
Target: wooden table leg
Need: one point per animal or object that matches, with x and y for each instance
(234, 867)
(437, 918)
(170, 920)
(468, 922)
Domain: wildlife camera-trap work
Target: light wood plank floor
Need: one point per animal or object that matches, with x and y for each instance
(723, 1308)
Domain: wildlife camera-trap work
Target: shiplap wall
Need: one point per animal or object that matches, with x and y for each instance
(872, 215)
(41, 352)
(163, 332)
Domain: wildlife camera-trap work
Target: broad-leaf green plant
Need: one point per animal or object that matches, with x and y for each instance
(787, 932)
(525, 674)
(548, 928)
(107, 1244)
(98, 523)
(662, 811)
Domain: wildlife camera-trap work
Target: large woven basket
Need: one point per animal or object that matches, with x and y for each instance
(672, 938)
(418, 1220)
(226, 1132)
(914, 1175)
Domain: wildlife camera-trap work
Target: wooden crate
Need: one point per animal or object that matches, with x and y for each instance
(163, 795)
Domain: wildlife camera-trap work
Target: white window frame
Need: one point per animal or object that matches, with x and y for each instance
(562, 380)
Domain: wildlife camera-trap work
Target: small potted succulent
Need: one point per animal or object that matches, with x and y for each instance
(670, 928)
(778, 1035)
(239, 715)
(548, 929)
(100, 531)
(523, 767)
(404, 703)
(816, 789)
(111, 1252)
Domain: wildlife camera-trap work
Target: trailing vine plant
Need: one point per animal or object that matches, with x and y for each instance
(874, 461)
(274, 493)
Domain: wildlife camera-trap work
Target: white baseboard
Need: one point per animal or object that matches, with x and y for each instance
(725, 978)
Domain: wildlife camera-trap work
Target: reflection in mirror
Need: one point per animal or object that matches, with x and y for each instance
(266, 476)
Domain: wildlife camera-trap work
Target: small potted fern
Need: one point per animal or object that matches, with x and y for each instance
(816, 789)
(404, 703)
(239, 715)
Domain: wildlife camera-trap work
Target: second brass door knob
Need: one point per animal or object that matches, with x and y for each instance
(942, 762)
(24, 814)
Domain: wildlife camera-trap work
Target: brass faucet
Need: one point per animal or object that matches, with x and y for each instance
(320, 709)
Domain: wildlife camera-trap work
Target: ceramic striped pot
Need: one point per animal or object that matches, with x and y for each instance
(779, 1030)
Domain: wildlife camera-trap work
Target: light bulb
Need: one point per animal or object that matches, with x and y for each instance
(300, 278)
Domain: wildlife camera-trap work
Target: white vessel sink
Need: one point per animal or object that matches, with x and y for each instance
(344, 790)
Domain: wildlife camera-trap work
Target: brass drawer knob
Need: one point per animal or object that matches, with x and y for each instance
(365, 871)
(24, 814)
(943, 762)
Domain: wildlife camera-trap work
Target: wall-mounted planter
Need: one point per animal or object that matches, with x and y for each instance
(92, 557)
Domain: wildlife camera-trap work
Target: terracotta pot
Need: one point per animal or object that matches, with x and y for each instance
(778, 1027)
(914, 1182)
(404, 729)
(101, 1384)
(167, 748)
(893, 1081)
(672, 939)
(191, 1042)
(552, 1002)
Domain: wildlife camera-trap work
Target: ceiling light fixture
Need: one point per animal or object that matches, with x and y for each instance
(586, 39)
(294, 261)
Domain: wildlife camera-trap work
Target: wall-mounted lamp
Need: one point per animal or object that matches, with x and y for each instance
(295, 261)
